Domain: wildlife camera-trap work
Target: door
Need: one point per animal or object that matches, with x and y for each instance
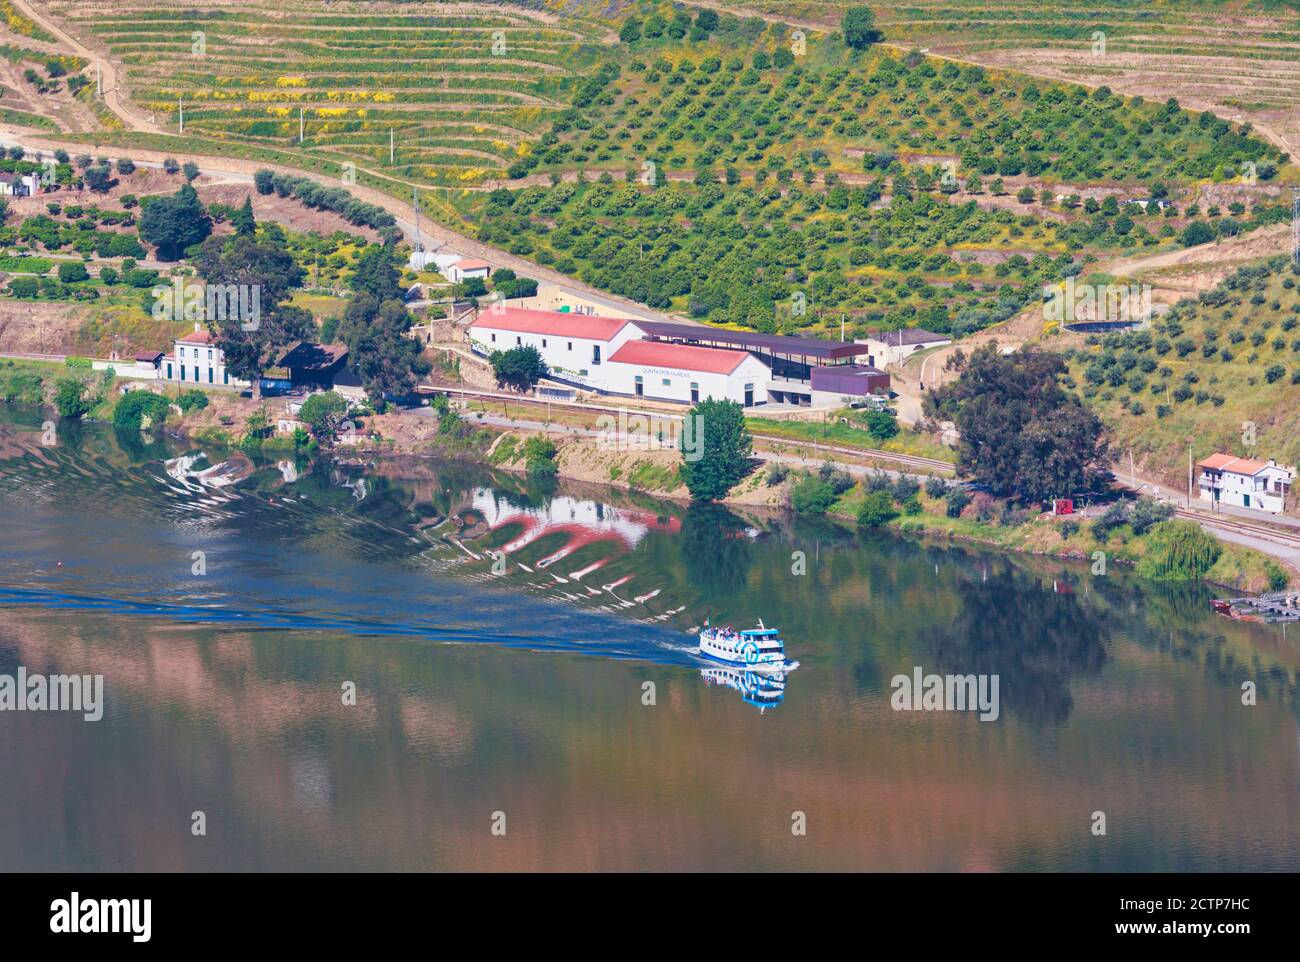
(640, 386)
(749, 395)
(1245, 501)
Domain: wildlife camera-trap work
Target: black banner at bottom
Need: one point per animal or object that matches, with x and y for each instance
(334, 911)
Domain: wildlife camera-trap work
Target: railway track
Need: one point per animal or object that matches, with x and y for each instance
(1261, 531)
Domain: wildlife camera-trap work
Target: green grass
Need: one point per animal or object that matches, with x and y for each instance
(849, 435)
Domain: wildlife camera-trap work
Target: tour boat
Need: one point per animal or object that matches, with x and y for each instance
(758, 648)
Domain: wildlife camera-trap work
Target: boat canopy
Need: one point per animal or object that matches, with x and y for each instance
(761, 632)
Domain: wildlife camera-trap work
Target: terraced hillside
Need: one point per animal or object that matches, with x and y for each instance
(1221, 369)
(462, 88)
(1239, 57)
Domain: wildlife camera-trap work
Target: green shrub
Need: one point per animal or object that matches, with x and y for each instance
(811, 495)
(1178, 551)
(192, 401)
(877, 509)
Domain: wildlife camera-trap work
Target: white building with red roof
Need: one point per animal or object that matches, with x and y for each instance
(465, 268)
(664, 371)
(575, 347)
(197, 361)
(1245, 482)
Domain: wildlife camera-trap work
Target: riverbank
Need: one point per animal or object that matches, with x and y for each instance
(580, 454)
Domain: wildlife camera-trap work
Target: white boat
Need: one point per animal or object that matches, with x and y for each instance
(758, 648)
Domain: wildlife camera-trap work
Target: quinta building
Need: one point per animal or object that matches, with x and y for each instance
(682, 363)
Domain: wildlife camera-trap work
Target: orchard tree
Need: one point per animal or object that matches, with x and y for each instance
(715, 446)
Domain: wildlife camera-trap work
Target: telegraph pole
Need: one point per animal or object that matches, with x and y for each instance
(300, 125)
(415, 203)
(1295, 225)
(390, 147)
(180, 105)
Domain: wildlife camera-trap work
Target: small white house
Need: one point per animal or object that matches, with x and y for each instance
(465, 268)
(199, 362)
(894, 347)
(18, 185)
(1246, 483)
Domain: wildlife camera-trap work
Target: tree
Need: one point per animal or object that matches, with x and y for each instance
(375, 274)
(877, 509)
(273, 274)
(539, 457)
(811, 495)
(70, 399)
(134, 406)
(264, 181)
(859, 26)
(125, 165)
(387, 360)
(1197, 232)
(98, 178)
(1022, 435)
(171, 166)
(323, 412)
(715, 446)
(242, 219)
(72, 271)
(519, 367)
(190, 170)
(175, 223)
(630, 31)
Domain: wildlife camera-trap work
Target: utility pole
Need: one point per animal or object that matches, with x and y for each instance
(1189, 475)
(1132, 471)
(300, 125)
(390, 147)
(99, 82)
(180, 105)
(415, 203)
(1295, 225)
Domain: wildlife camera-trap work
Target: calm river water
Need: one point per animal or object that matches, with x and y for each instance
(487, 697)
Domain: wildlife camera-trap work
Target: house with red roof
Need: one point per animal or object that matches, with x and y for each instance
(576, 347)
(1246, 482)
(665, 371)
(198, 362)
(465, 268)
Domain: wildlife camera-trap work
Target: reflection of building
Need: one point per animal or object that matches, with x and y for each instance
(1246, 483)
(582, 522)
(761, 688)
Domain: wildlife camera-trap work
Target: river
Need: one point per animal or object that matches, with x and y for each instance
(527, 694)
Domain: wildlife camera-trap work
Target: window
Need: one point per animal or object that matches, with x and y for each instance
(494, 338)
(543, 342)
(519, 341)
(570, 345)
(595, 354)
(667, 381)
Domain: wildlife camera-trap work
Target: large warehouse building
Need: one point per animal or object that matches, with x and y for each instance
(680, 362)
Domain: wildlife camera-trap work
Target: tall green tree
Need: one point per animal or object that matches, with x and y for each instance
(243, 221)
(381, 352)
(268, 269)
(375, 274)
(1022, 434)
(859, 26)
(174, 223)
(715, 446)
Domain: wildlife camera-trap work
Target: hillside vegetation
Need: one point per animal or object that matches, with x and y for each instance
(1222, 369)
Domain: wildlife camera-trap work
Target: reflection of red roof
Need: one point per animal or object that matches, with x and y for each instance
(685, 357)
(527, 321)
(1228, 462)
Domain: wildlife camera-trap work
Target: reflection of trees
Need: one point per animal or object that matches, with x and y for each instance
(715, 551)
(1034, 640)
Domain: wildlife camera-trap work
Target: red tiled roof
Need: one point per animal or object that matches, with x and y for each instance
(471, 265)
(528, 321)
(685, 357)
(1229, 462)
(201, 336)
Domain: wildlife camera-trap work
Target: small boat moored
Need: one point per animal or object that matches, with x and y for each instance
(756, 648)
